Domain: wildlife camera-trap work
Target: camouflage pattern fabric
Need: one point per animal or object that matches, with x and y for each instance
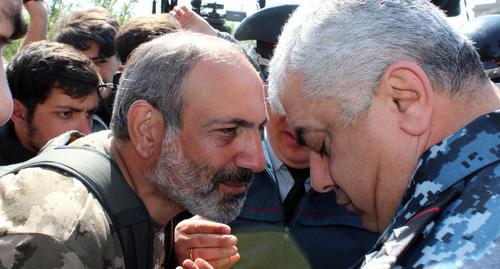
(48, 219)
(467, 233)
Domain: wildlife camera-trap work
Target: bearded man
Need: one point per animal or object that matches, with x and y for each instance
(185, 135)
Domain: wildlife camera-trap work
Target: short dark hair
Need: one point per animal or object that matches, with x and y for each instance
(141, 30)
(80, 28)
(43, 65)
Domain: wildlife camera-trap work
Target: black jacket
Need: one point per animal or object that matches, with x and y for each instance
(11, 150)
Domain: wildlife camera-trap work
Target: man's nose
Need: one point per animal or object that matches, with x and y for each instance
(251, 156)
(85, 125)
(321, 179)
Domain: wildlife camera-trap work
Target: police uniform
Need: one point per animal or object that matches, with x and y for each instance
(321, 233)
(50, 220)
(465, 233)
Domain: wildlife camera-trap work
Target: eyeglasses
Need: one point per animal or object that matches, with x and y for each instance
(106, 88)
(107, 91)
(106, 94)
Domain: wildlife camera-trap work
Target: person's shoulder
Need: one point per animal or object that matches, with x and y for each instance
(43, 251)
(35, 251)
(100, 141)
(467, 231)
(49, 212)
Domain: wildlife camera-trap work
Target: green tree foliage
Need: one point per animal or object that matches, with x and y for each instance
(10, 50)
(122, 12)
(59, 8)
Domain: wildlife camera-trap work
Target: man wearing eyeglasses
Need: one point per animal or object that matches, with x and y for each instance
(55, 90)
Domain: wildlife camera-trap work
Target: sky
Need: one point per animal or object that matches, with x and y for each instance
(144, 7)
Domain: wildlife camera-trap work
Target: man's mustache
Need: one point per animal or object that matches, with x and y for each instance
(233, 176)
(238, 175)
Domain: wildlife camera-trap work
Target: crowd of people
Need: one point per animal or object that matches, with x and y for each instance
(357, 134)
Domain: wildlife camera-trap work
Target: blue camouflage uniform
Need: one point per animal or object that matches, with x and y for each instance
(321, 234)
(466, 231)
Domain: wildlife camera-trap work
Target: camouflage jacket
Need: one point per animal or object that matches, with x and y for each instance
(50, 220)
(466, 234)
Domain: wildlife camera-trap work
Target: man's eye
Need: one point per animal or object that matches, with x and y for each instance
(323, 150)
(65, 114)
(227, 131)
(100, 61)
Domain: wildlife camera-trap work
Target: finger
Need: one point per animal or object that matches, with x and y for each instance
(200, 226)
(27, 1)
(205, 240)
(202, 264)
(225, 263)
(189, 264)
(175, 12)
(176, 9)
(185, 9)
(213, 253)
(184, 245)
(180, 12)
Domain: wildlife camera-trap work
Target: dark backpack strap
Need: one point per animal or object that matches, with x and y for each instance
(103, 179)
(171, 261)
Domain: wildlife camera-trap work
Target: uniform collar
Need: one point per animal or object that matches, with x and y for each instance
(442, 165)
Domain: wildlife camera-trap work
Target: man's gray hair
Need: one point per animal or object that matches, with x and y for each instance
(157, 71)
(341, 49)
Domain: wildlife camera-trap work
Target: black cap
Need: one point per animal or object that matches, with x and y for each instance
(265, 27)
(484, 31)
(450, 7)
(265, 24)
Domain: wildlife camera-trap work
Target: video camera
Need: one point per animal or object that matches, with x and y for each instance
(217, 19)
(209, 13)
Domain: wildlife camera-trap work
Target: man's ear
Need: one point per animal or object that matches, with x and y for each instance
(411, 94)
(145, 128)
(19, 115)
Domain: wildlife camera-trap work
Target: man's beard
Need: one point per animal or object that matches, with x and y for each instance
(196, 187)
(32, 132)
(14, 15)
